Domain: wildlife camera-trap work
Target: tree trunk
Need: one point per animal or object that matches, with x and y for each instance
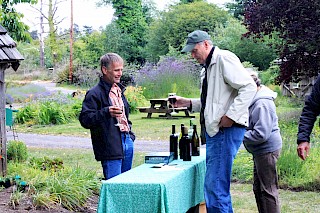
(41, 36)
(52, 33)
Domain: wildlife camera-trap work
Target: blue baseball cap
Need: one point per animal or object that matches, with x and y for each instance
(195, 37)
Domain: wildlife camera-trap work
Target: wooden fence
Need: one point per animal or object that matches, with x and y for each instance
(300, 89)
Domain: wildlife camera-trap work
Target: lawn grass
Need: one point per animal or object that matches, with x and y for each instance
(291, 202)
(242, 196)
(84, 158)
(160, 129)
(71, 129)
(145, 129)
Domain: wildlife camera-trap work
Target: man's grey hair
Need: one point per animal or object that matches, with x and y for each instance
(110, 58)
(208, 40)
(254, 74)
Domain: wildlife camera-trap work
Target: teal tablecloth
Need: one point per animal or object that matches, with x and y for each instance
(170, 189)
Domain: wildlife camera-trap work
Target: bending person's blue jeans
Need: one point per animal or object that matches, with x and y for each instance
(221, 150)
(112, 168)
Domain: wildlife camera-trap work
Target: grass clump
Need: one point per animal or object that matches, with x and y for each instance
(69, 187)
(293, 172)
(60, 177)
(17, 151)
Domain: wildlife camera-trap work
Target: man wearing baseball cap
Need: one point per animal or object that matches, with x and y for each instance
(226, 93)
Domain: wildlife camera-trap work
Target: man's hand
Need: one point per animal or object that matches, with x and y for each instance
(226, 121)
(303, 150)
(181, 101)
(115, 111)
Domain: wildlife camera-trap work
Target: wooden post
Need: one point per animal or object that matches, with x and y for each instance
(3, 136)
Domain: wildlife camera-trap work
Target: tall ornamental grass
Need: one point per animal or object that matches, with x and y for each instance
(170, 75)
(295, 173)
(68, 187)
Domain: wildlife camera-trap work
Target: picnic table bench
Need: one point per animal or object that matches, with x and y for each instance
(161, 105)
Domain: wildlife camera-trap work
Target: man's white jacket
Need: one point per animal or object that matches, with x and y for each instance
(230, 91)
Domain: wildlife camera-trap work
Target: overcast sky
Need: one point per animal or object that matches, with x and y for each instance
(85, 12)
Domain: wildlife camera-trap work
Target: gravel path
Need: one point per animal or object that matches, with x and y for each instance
(51, 86)
(70, 142)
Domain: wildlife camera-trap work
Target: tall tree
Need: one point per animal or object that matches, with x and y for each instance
(41, 36)
(11, 19)
(236, 8)
(297, 23)
(260, 52)
(48, 16)
(132, 21)
(174, 25)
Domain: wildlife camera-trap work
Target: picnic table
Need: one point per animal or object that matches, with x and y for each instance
(161, 105)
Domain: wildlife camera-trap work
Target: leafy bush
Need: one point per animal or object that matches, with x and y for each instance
(25, 114)
(135, 98)
(62, 75)
(229, 36)
(270, 75)
(17, 151)
(88, 77)
(170, 75)
(81, 76)
(292, 102)
(56, 109)
(46, 163)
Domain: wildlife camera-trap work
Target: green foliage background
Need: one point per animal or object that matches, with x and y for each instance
(173, 27)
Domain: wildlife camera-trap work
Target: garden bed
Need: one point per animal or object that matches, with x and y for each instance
(25, 204)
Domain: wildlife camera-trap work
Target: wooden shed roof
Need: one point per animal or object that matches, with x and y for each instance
(8, 51)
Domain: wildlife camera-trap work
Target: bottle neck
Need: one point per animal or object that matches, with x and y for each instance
(185, 131)
(173, 129)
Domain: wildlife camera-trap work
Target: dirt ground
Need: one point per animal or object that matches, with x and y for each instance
(25, 205)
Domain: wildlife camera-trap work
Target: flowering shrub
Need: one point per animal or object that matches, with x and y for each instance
(180, 76)
(135, 98)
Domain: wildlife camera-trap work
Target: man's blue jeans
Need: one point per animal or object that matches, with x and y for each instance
(221, 150)
(112, 168)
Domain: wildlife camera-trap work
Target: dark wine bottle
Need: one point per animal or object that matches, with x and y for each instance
(195, 141)
(174, 143)
(190, 131)
(186, 145)
(180, 148)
